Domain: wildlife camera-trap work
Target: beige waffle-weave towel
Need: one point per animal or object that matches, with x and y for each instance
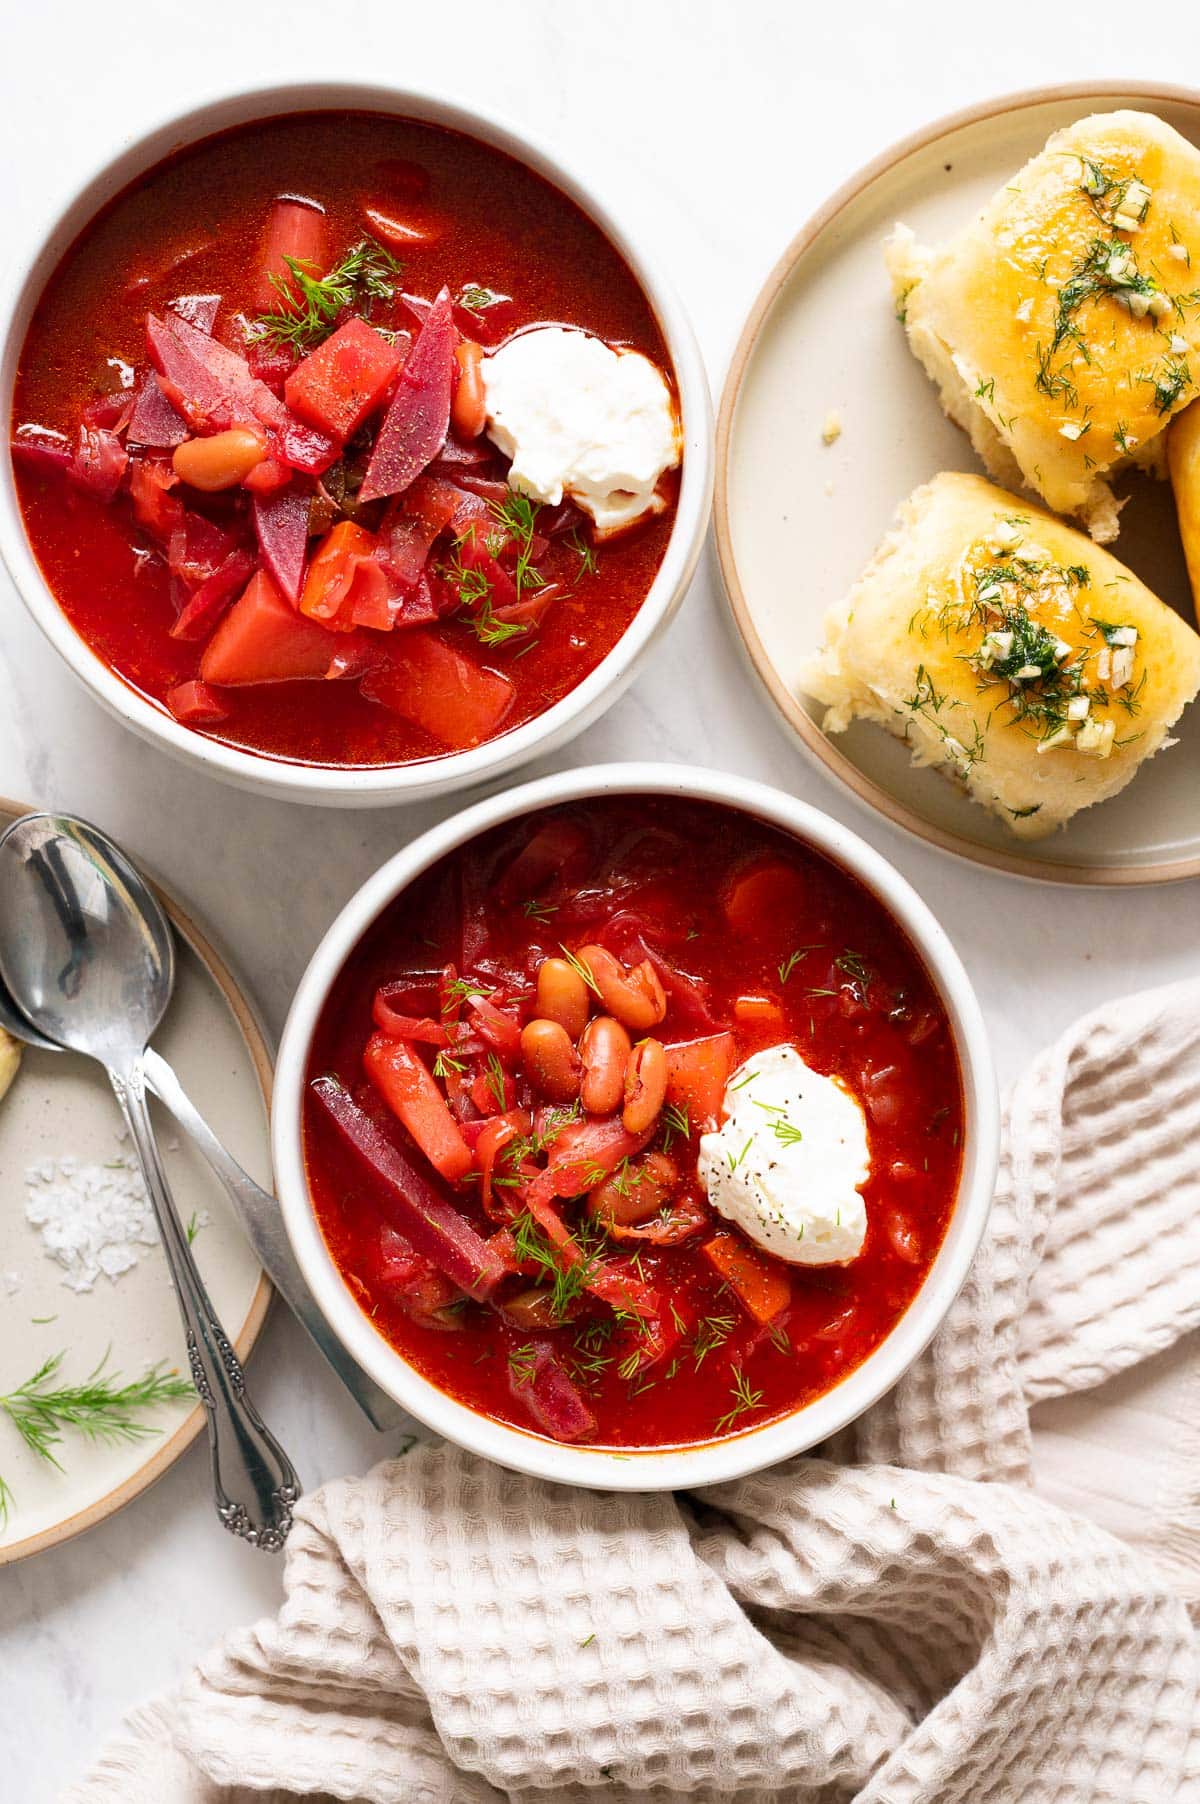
(904, 1619)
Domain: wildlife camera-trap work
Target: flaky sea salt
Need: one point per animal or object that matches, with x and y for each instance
(93, 1219)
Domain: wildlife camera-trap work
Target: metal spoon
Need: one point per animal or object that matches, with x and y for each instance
(88, 957)
(257, 1211)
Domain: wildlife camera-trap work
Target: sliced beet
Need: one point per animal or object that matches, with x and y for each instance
(40, 448)
(540, 1381)
(281, 524)
(154, 422)
(98, 462)
(417, 1210)
(211, 599)
(414, 427)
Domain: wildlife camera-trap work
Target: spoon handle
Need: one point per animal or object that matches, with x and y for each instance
(255, 1482)
(262, 1221)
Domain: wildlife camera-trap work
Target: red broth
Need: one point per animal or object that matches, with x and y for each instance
(193, 226)
(754, 936)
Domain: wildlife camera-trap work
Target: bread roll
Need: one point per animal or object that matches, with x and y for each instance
(1183, 458)
(1062, 325)
(1009, 651)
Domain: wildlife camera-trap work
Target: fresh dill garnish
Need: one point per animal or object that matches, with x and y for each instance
(591, 1357)
(7, 1500)
(496, 1083)
(522, 1363)
(193, 1227)
(793, 959)
(311, 304)
(461, 990)
(473, 588)
(568, 1281)
(743, 1081)
(711, 1332)
(735, 1159)
(677, 1124)
(745, 1399)
(585, 551)
(517, 514)
(901, 308)
(581, 969)
(444, 1062)
(779, 1339)
(537, 910)
(102, 1408)
(856, 968)
(477, 300)
(785, 1132)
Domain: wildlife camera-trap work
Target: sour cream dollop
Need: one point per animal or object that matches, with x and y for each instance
(579, 418)
(788, 1162)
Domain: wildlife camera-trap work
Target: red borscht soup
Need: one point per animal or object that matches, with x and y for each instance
(257, 434)
(636, 1123)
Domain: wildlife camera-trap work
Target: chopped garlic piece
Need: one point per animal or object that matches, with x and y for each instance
(1123, 635)
(1063, 735)
(1159, 305)
(1095, 738)
(1007, 535)
(1178, 344)
(1122, 666)
(1104, 664)
(1178, 251)
(995, 648)
(1078, 707)
(1025, 311)
(1027, 673)
(1062, 649)
(831, 431)
(1071, 431)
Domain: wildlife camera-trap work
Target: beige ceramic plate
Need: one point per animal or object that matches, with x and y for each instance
(796, 520)
(61, 1105)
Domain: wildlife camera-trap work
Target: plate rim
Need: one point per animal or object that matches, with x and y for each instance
(816, 744)
(167, 1451)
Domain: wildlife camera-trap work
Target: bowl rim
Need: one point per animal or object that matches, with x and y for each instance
(802, 730)
(706, 1463)
(361, 785)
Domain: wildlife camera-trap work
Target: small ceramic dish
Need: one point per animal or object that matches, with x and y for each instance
(365, 784)
(60, 1107)
(673, 1467)
(798, 518)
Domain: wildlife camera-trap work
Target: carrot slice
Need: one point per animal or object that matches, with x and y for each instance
(697, 1072)
(763, 1290)
(408, 1087)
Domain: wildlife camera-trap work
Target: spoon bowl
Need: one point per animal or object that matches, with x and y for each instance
(93, 963)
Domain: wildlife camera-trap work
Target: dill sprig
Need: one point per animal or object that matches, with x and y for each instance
(102, 1408)
(712, 1331)
(517, 515)
(476, 299)
(582, 969)
(311, 304)
(474, 590)
(567, 1282)
(745, 1399)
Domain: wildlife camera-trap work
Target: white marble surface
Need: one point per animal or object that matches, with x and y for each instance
(714, 128)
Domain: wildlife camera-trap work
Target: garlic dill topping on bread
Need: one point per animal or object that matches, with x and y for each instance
(1062, 326)
(1009, 651)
